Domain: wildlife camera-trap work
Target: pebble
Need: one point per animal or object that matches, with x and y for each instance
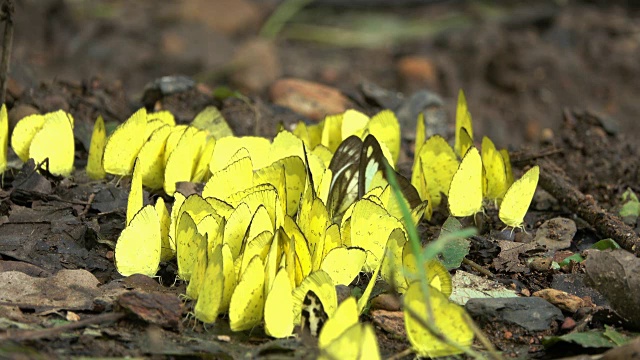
(310, 99)
(556, 234)
(568, 324)
(530, 313)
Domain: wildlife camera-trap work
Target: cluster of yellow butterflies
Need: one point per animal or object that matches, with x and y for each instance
(40, 137)
(478, 176)
(280, 223)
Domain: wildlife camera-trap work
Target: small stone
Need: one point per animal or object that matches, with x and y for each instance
(308, 98)
(525, 292)
(508, 334)
(530, 313)
(556, 234)
(568, 324)
(546, 135)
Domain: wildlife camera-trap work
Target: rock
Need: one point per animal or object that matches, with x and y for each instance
(530, 313)
(469, 286)
(308, 98)
(574, 284)
(563, 300)
(256, 66)
(431, 105)
(155, 307)
(616, 275)
(556, 234)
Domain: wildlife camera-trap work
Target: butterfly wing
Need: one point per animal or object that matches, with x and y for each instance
(372, 160)
(344, 166)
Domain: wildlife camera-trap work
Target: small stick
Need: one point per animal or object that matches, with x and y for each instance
(555, 181)
(49, 333)
(7, 43)
(85, 211)
(477, 267)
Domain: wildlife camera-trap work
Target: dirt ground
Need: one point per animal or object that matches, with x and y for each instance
(555, 81)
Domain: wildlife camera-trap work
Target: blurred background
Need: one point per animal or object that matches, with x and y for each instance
(519, 62)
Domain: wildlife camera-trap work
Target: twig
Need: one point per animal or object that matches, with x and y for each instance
(87, 207)
(7, 43)
(555, 181)
(478, 268)
(48, 333)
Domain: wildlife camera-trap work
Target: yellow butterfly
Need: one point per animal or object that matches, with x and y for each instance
(211, 120)
(235, 177)
(135, 199)
(463, 121)
(164, 116)
(322, 286)
(123, 145)
(138, 246)
(202, 172)
(166, 251)
(96, 149)
(357, 342)
(23, 134)
(371, 226)
(199, 267)
(227, 147)
(182, 162)
(447, 317)
(278, 307)
(495, 171)
(465, 192)
(4, 137)
(343, 264)
(247, 302)
(344, 338)
(517, 199)
(57, 129)
(210, 296)
(151, 156)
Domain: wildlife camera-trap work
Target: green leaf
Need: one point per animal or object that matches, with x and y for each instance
(575, 257)
(630, 208)
(606, 244)
(457, 248)
(615, 336)
(591, 339)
